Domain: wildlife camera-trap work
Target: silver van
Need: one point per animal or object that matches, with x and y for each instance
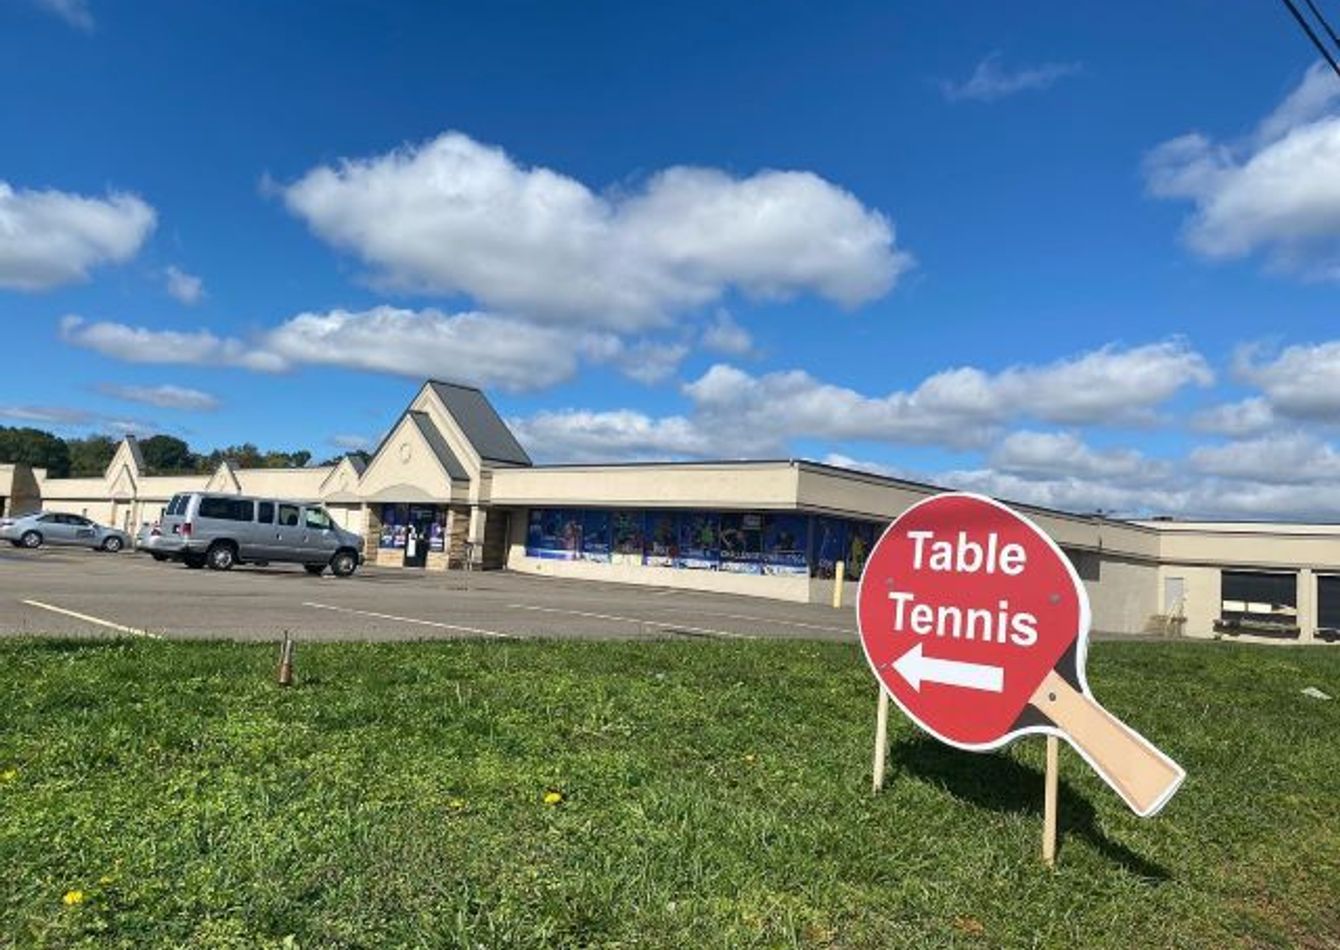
(203, 529)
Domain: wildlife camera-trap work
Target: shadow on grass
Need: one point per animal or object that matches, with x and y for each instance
(1002, 784)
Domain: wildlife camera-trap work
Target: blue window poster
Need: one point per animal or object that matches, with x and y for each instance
(698, 541)
(785, 544)
(596, 536)
(741, 543)
(554, 533)
(626, 529)
(662, 539)
(830, 545)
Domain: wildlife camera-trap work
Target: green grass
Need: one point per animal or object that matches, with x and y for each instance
(714, 794)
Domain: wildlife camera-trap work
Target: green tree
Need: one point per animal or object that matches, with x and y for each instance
(90, 456)
(165, 453)
(35, 447)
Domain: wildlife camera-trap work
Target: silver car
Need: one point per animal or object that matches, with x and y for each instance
(202, 529)
(56, 527)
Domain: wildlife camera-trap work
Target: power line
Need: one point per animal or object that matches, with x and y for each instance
(1311, 34)
(1322, 20)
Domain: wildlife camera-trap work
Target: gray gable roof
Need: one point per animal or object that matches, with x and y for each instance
(134, 445)
(481, 423)
(439, 446)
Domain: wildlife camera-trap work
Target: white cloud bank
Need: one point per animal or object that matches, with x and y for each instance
(456, 216)
(1276, 192)
(990, 81)
(485, 350)
(735, 414)
(164, 397)
(49, 238)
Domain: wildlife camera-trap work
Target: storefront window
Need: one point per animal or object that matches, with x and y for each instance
(662, 538)
(830, 544)
(699, 544)
(554, 533)
(785, 543)
(627, 530)
(596, 536)
(741, 543)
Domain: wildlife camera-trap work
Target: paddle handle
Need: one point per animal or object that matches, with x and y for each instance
(1140, 773)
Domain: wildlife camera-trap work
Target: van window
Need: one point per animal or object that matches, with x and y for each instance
(177, 505)
(317, 518)
(227, 509)
(265, 512)
(288, 516)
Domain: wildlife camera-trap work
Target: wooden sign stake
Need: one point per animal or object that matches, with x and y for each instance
(881, 741)
(839, 575)
(1049, 802)
(286, 661)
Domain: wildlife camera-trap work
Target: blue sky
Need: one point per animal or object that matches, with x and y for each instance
(1074, 254)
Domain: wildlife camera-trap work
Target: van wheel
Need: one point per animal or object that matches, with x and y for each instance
(316, 570)
(221, 556)
(193, 561)
(112, 545)
(159, 557)
(343, 563)
(31, 539)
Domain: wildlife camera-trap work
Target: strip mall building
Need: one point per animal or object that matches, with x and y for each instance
(450, 471)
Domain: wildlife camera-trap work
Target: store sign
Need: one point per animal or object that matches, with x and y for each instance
(976, 624)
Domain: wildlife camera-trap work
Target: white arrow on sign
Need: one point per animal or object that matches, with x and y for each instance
(917, 668)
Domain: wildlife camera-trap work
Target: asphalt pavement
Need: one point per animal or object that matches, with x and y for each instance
(70, 591)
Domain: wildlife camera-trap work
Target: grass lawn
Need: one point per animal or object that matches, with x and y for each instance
(712, 794)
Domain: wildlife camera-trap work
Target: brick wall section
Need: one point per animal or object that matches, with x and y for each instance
(495, 540)
(372, 532)
(458, 529)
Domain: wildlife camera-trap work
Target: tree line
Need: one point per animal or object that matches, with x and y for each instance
(162, 454)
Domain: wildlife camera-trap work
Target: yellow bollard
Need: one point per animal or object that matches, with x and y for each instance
(839, 572)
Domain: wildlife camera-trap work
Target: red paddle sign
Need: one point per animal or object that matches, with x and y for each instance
(976, 624)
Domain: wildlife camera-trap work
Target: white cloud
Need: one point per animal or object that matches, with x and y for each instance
(352, 443)
(1277, 191)
(1048, 455)
(1245, 417)
(46, 415)
(1286, 458)
(477, 348)
(989, 81)
(959, 407)
(724, 335)
(165, 397)
(1301, 382)
(619, 435)
(453, 215)
(873, 468)
(184, 287)
(49, 238)
(74, 12)
(646, 361)
(142, 345)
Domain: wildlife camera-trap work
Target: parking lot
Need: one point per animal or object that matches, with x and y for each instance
(73, 591)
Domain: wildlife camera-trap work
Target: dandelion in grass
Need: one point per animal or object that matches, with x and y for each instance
(8, 775)
(455, 804)
(751, 758)
(73, 898)
(553, 798)
(106, 879)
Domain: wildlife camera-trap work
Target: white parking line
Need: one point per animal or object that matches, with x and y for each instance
(672, 627)
(134, 631)
(414, 620)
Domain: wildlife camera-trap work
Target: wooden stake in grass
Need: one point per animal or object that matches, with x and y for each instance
(881, 740)
(1049, 802)
(286, 662)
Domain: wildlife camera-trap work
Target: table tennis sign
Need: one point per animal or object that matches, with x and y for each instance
(976, 624)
